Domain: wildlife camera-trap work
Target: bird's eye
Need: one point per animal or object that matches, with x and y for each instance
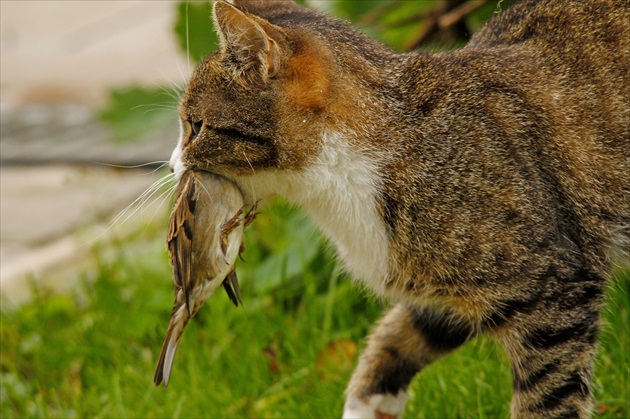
(196, 128)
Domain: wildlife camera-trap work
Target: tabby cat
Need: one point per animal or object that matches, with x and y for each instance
(482, 190)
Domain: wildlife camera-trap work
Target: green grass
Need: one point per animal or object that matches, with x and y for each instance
(288, 353)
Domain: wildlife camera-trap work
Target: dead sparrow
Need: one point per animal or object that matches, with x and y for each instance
(205, 234)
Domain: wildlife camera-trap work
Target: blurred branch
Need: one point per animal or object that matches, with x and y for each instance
(459, 14)
(413, 18)
(372, 17)
(446, 22)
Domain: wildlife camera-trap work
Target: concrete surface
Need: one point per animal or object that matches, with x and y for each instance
(70, 133)
(52, 216)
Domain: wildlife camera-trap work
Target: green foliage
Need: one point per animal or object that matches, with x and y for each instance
(612, 372)
(355, 10)
(401, 23)
(194, 29)
(93, 353)
(134, 112)
(288, 352)
(283, 247)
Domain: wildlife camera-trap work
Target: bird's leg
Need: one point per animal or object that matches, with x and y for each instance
(251, 215)
(227, 228)
(233, 222)
(249, 218)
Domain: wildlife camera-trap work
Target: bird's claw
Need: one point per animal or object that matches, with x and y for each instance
(251, 215)
(234, 222)
(227, 228)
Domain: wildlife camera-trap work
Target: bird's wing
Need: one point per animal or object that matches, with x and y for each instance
(180, 235)
(218, 231)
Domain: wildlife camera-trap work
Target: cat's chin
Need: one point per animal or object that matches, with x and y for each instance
(179, 168)
(249, 195)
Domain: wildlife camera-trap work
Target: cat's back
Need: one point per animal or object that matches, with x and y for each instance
(540, 96)
(561, 26)
(577, 54)
(585, 45)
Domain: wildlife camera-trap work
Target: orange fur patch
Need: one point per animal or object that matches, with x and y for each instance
(309, 81)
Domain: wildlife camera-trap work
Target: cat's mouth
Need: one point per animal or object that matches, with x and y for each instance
(218, 172)
(213, 170)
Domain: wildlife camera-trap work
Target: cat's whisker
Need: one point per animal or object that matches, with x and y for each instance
(160, 167)
(187, 41)
(251, 184)
(172, 94)
(140, 207)
(203, 187)
(139, 201)
(165, 180)
(155, 107)
(173, 86)
(163, 197)
(249, 162)
(184, 77)
(160, 108)
(173, 90)
(161, 163)
(124, 215)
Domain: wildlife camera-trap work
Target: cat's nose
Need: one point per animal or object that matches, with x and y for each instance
(170, 166)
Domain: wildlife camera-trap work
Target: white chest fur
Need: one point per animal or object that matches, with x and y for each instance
(339, 191)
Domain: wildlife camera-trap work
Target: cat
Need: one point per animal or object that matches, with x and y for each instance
(481, 190)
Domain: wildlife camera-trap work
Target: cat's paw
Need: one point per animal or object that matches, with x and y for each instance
(376, 406)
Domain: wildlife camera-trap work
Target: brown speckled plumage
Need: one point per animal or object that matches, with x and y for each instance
(204, 238)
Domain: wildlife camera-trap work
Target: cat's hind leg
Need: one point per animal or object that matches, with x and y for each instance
(552, 348)
(403, 342)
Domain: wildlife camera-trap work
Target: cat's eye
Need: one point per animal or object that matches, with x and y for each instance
(196, 129)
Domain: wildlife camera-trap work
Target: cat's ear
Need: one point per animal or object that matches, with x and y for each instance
(248, 39)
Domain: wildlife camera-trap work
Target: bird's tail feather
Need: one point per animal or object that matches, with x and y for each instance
(169, 347)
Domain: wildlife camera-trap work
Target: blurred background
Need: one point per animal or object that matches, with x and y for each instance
(60, 62)
(88, 117)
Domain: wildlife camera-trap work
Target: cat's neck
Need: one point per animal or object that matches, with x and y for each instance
(340, 191)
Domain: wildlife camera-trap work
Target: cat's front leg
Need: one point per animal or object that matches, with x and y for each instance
(404, 341)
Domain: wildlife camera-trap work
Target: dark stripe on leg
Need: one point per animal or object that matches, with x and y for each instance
(547, 337)
(509, 309)
(527, 383)
(442, 331)
(397, 376)
(571, 412)
(574, 384)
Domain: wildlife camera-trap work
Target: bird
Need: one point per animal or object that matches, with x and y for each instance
(205, 236)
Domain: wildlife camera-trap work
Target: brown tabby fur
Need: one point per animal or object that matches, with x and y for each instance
(492, 181)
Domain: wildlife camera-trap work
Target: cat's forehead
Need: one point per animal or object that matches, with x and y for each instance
(209, 83)
(208, 76)
(218, 72)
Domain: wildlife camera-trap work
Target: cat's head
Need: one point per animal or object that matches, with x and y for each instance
(275, 88)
